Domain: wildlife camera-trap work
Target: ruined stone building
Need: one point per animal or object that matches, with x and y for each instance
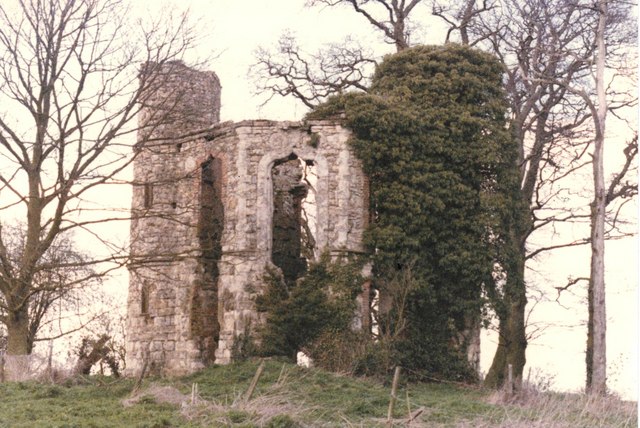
(214, 204)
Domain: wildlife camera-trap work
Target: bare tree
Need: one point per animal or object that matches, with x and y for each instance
(391, 17)
(599, 98)
(64, 285)
(70, 90)
(525, 40)
(311, 78)
(597, 334)
(346, 65)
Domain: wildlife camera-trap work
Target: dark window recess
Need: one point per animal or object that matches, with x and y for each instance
(292, 238)
(204, 325)
(174, 205)
(148, 195)
(178, 147)
(144, 300)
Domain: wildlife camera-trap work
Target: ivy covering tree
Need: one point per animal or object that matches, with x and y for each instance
(432, 136)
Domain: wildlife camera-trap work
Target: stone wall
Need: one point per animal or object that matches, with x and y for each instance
(202, 233)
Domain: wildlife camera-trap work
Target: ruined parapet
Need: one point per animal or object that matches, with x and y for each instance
(203, 233)
(176, 101)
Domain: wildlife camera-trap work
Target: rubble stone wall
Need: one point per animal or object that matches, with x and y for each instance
(183, 313)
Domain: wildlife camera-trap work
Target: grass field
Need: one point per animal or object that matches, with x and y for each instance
(288, 396)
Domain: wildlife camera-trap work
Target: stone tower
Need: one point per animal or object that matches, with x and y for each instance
(214, 205)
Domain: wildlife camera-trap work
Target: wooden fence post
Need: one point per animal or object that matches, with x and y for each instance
(194, 393)
(254, 382)
(138, 384)
(510, 381)
(50, 362)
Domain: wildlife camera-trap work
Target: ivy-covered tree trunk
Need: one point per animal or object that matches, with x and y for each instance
(510, 305)
(19, 343)
(512, 343)
(19, 340)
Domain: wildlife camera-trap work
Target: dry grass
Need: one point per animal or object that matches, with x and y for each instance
(289, 397)
(531, 408)
(273, 402)
(257, 412)
(157, 394)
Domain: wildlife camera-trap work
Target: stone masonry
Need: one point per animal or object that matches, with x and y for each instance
(203, 208)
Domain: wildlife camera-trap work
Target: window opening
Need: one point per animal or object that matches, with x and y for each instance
(144, 300)
(148, 195)
(294, 215)
(204, 294)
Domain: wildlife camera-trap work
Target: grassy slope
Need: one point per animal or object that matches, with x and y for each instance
(304, 397)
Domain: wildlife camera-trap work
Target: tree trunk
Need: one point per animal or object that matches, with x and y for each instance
(597, 324)
(512, 344)
(19, 345)
(18, 337)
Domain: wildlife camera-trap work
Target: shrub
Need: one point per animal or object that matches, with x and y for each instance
(298, 313)
(244, 346)
(339, 351)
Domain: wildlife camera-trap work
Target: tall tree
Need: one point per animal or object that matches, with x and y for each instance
(597, 325)
(609, 39)
(544, 52)
(70, 90)
(528, 42)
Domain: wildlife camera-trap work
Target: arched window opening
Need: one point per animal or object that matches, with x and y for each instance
(294, 215)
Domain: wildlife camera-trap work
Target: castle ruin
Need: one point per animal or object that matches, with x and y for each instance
(214, 204)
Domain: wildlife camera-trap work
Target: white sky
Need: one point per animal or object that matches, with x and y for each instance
(231, 30)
